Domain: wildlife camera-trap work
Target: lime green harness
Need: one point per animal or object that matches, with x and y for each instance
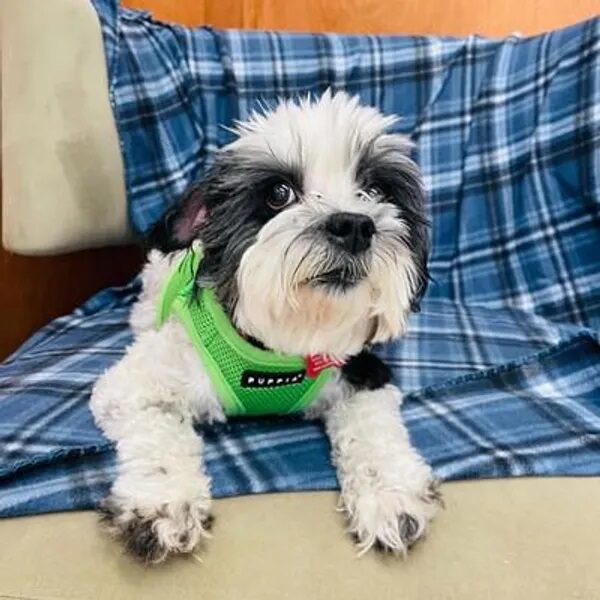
(249, 381)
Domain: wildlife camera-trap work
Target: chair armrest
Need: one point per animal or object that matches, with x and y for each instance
(62, 170)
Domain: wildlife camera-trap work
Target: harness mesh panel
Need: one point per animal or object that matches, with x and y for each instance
(256, 400)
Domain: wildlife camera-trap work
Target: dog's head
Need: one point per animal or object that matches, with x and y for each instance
(313, 226)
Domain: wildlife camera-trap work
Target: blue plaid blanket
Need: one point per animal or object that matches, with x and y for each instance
(501, 369)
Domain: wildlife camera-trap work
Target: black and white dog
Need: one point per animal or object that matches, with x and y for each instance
(314, 235)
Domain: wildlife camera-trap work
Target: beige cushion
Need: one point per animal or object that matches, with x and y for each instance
(62, 171)
(528, 539)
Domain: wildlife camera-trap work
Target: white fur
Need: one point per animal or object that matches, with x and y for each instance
(149, 401)
(383, 479)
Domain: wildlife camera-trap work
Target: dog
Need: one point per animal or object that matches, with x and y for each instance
(313, 235)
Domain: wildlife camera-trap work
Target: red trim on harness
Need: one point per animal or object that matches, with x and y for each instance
(315, 363)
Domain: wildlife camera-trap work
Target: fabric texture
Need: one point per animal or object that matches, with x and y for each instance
(501, 369)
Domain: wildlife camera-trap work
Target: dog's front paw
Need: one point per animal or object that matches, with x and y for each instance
(150, 534)
(391, 519)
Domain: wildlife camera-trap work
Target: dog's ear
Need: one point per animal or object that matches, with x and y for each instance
(180, 225)
(421, 257)
(388, 163)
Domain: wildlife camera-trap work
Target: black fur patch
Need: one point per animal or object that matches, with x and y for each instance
(366, 372)
(433, 495)
(399, 179)
(161, 235)
(234, 193)
(209, 522)
(136, 534)
(141, 541)
(408, 527)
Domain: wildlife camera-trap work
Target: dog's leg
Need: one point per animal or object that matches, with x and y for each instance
(147, 403)
(387, 489)
(160, 501)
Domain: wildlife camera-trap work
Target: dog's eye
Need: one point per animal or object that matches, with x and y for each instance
(372, 192)
(280, 196)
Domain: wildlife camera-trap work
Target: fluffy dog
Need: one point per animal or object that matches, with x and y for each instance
(314, 236)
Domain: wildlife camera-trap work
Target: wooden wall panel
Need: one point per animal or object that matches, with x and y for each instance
(34, 290)
(448, 17)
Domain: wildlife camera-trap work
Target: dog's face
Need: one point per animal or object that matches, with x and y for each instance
(313, 226)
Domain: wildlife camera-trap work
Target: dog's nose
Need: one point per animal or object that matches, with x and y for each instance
(352, 231)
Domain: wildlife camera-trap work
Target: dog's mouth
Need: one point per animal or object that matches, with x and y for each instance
(338, 279)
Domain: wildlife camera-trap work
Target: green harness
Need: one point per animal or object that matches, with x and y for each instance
(249, 381)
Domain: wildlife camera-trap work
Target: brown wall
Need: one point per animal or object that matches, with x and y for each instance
(449, 17)
(34, 290)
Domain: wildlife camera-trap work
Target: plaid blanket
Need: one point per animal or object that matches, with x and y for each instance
(501, 368)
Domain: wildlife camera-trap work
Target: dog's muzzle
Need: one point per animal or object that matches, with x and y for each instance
(349, 236)
(351, 231)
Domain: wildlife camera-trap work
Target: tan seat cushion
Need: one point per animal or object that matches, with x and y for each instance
(512, 539)
(62, 170)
